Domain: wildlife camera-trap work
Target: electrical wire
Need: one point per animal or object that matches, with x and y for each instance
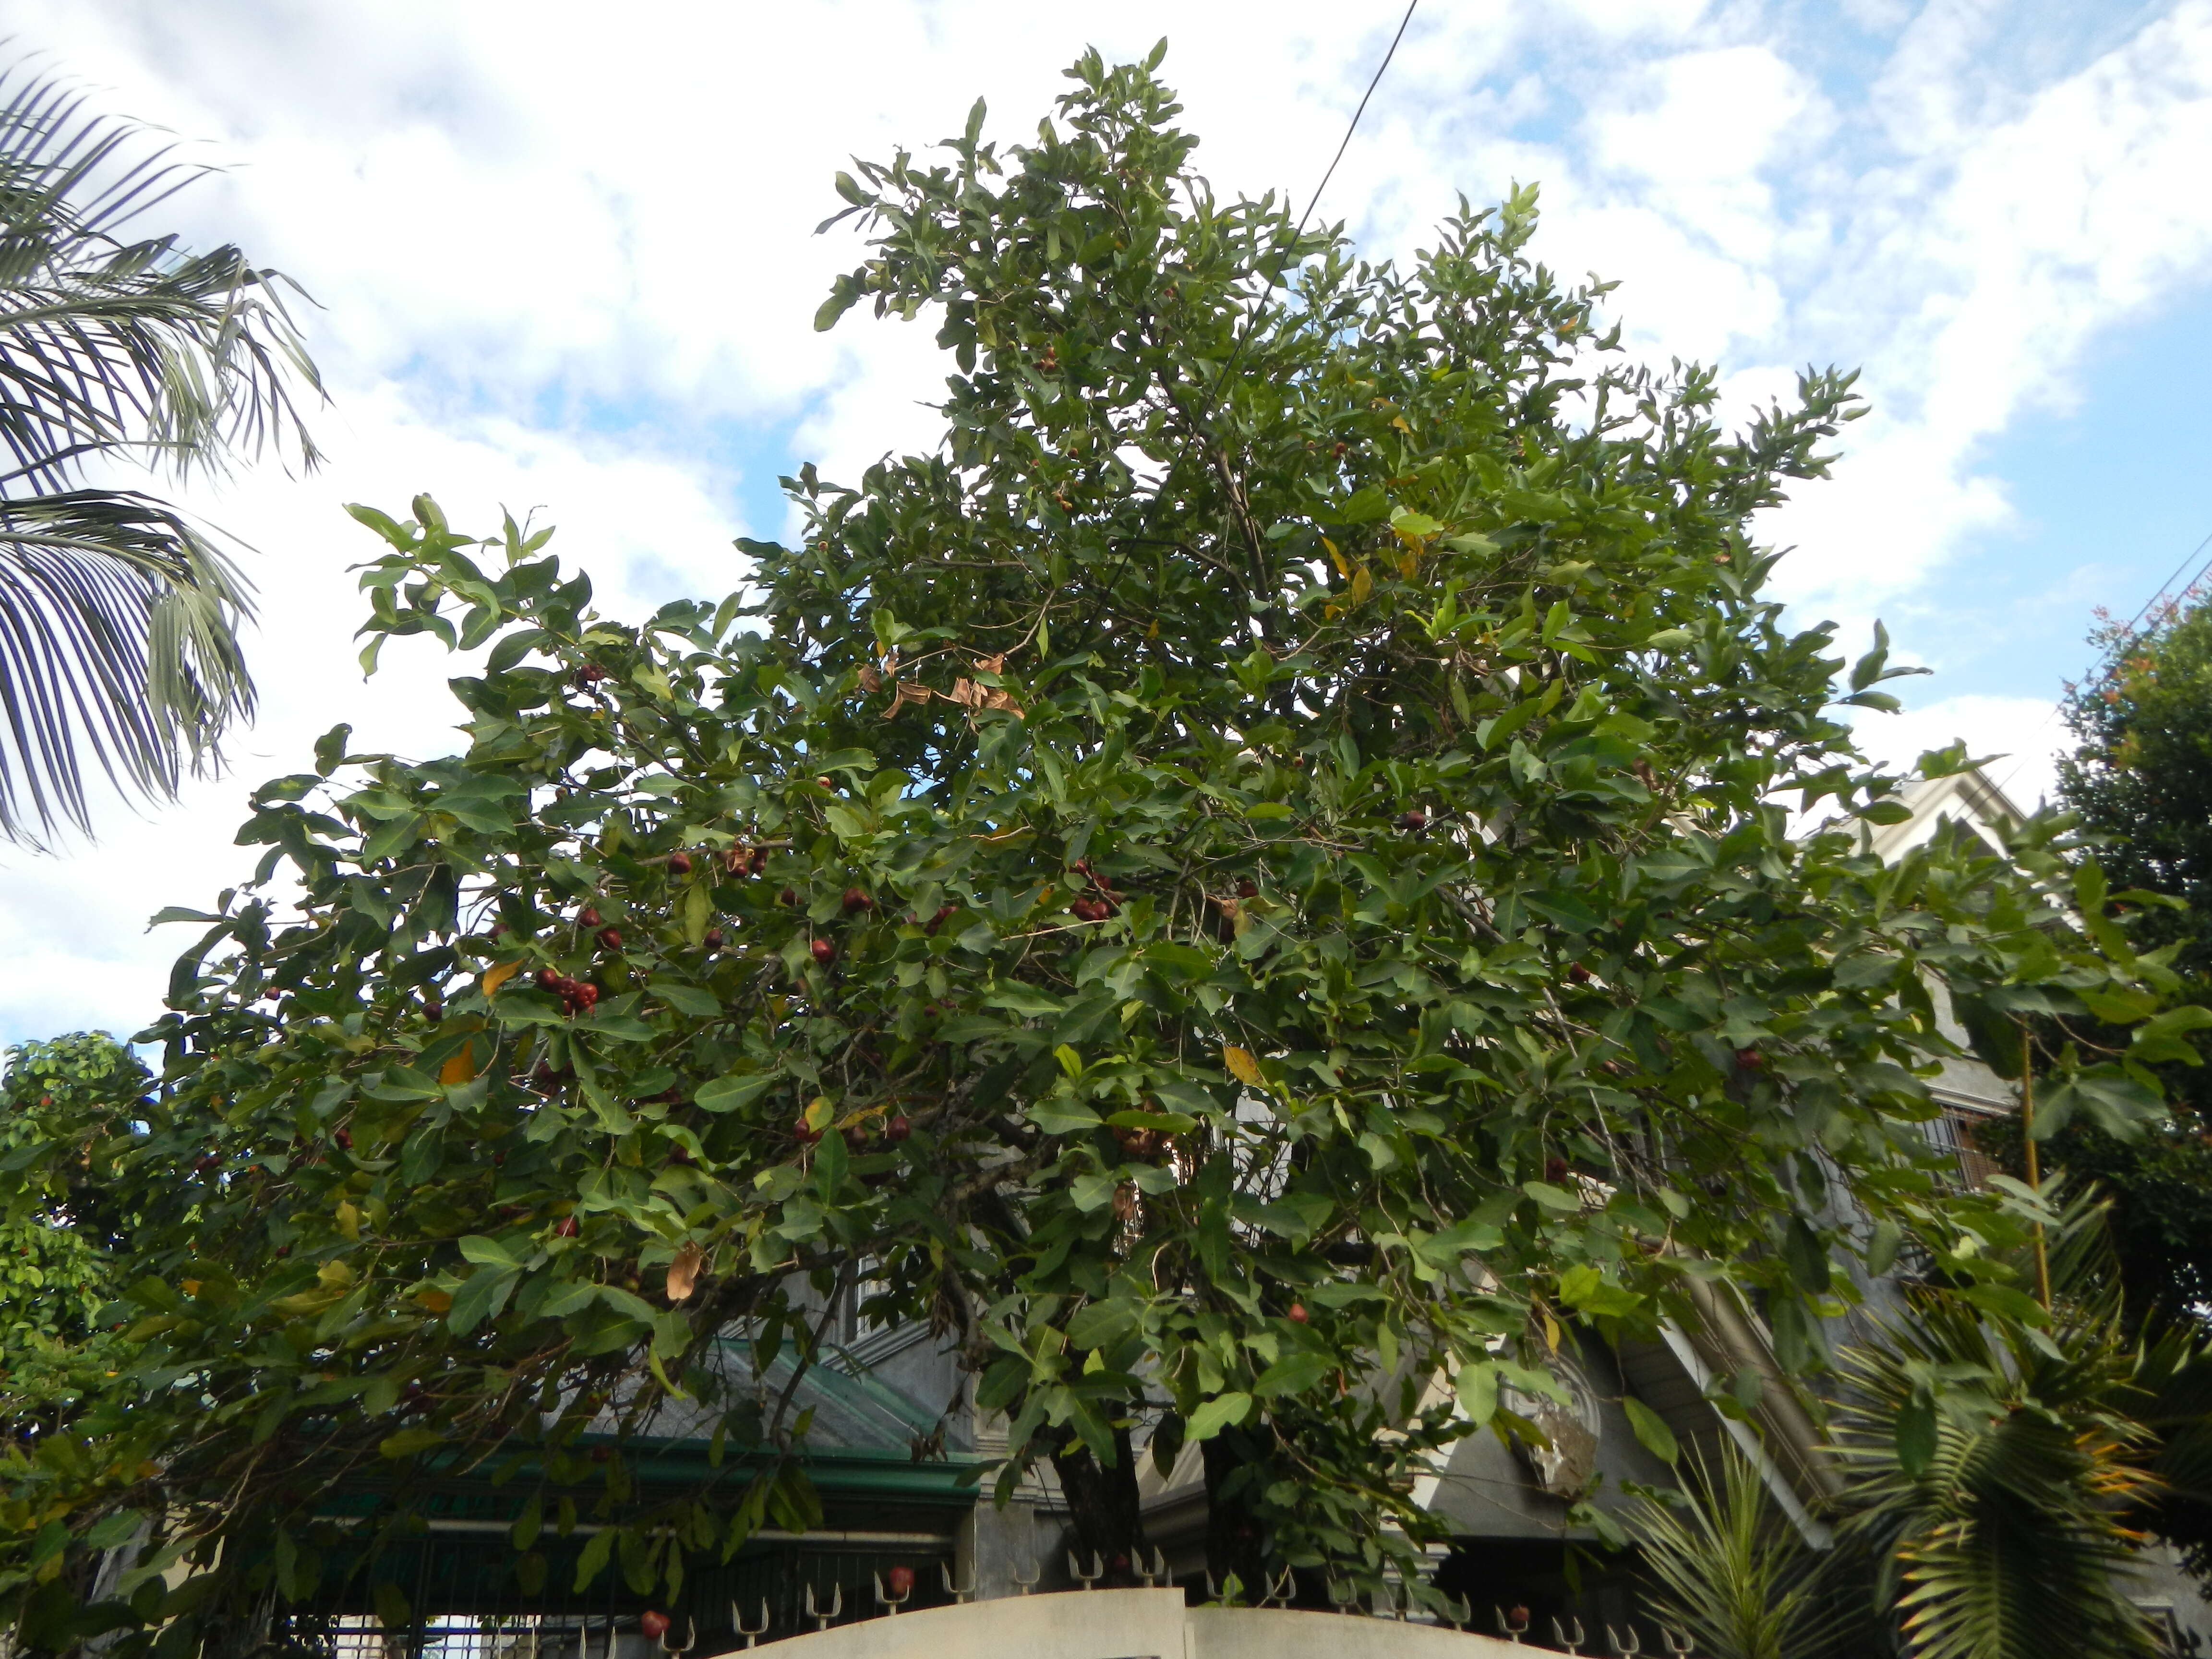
(2168, 583)
(1252, 323)
(2120, 639)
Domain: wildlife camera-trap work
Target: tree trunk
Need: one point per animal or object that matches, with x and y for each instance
(1104, 1511)
(1235, 1542)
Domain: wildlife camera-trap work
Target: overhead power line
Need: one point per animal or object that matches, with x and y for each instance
(2168, 583)
(1252, 323)
(2133, 622)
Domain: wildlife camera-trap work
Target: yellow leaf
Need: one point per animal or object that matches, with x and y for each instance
(348, 1218)
(191, 1288)
(496, 977)
(1407, 564)
(1398, 421)
(1362, 585)
(460, 1067)
(1241, 1065)
(437, 1302)
(1342, 568)
(819, 1111)
(1551, 1332)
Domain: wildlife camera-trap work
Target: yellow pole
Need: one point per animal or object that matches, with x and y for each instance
(2027, 1145)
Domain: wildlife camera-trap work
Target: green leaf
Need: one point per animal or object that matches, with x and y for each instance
(1806, 1255)
(481, 1250)
(617, 1028)
(391, 838)
(1362, 507)
(1217, 1413)
(1023, 999)
(686, 999)
(729, 1094)
(2164, 1037)
(593, 1558)
(2118, 1104)
(393, 1610)
(1294, 1373)
(1103, 1324)
(481, 1297)
(1477, 1388)
(1585, 1288)
(1650, 1429)
(1057, 1115)
(1915, 1437)
(1174, 1123)
(408, 1442)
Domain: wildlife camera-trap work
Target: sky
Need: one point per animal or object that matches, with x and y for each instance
(561, 259)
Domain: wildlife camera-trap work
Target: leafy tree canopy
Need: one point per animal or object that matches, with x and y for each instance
(2140, 779)
(76, 1092)
(1245, 884)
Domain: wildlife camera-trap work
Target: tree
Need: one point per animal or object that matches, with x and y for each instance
(1244, 887)
(76, 1092)
(1728, 1569)
(2139, 778)
(119, 616)
(1996, 1473)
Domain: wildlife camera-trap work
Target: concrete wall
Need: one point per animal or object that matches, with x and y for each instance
(1135, 1624)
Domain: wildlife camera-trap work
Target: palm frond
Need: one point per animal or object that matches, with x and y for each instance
(117, 644)
(1728, 1569)
(1991, 1468)
(118, 648)
(109, 344)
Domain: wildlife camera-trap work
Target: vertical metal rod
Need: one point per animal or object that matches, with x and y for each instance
(2027, 1146)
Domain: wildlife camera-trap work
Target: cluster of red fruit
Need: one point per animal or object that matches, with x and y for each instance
(1102, 901)
(576, 994)
(745, 860)
(590, 675)
(610, 939)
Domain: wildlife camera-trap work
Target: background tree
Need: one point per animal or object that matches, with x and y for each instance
(78, 1092)
(118, 617)
(1241, 889)
(2139, 778)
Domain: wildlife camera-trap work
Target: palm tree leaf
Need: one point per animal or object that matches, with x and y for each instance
(1727, 1568)
(2012, 1542)
(107, 345)
(118, 646)
(118, 643)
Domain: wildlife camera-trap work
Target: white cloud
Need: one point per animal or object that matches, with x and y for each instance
(80, 953)
(2022, 735)
(1985, 271)
(529, 223)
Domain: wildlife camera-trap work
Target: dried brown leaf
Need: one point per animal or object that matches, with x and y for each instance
(684, 1273)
